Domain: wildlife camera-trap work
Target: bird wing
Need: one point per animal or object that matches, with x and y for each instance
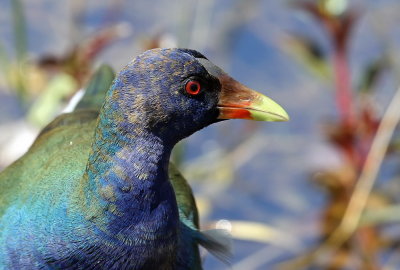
(184, 196)
(42, 165)
(217, 241)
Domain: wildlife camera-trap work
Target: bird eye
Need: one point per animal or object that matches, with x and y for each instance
(193, 87)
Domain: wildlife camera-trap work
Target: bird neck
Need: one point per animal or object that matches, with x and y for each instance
(127, 188)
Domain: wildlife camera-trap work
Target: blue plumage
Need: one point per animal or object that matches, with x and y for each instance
(95, 194)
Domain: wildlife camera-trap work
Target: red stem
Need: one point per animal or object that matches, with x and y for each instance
(343, 90)
(344, 101)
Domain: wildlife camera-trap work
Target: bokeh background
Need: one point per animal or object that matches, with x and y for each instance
(283, 189)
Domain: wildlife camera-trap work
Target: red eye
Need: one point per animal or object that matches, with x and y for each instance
(193, 87)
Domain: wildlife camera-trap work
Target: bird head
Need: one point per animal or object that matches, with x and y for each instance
(175, 92)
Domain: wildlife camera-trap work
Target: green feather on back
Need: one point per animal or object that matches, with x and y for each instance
(96, 90)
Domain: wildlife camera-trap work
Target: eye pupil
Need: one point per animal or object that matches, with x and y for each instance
(193, 87)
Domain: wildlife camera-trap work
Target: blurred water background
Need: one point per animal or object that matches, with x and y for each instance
(280, 187)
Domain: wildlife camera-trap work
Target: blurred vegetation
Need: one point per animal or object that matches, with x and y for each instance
(358, 224)
(353, 222)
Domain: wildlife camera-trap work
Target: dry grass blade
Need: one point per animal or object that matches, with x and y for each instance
(259, 232)
(354, 211)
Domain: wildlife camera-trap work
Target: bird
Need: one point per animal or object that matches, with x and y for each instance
(216, 241)
(94, 191)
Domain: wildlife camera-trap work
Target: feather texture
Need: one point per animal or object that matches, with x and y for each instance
(92, 191)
